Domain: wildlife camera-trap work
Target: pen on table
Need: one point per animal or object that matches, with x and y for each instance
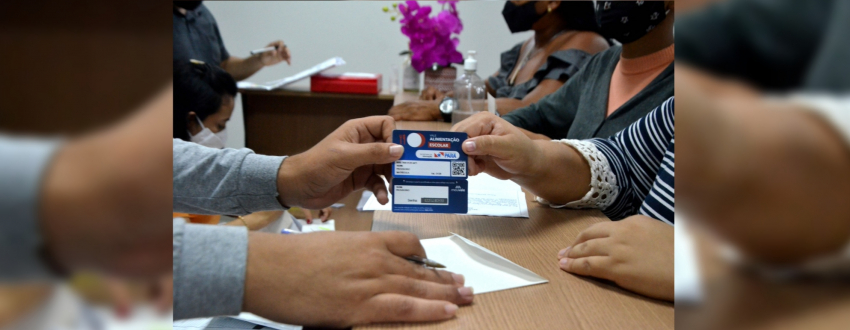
(425, 261)
(263, 50)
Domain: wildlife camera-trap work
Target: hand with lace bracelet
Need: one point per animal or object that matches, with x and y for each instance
(629, 177)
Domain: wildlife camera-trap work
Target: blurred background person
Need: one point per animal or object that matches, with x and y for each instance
(764, 169)
(196, 36)
(616, 87)
(204, 97)
(565, 35)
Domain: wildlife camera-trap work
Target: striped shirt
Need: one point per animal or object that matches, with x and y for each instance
(642, 158)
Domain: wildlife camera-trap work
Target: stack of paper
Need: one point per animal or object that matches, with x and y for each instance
(318, 68)
(487, 196)
(482, 269)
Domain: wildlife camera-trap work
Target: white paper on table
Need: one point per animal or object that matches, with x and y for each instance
(482, 269)
(487, 196)
(251, 318)
(687, 286)
(317, 225)
(275, 84)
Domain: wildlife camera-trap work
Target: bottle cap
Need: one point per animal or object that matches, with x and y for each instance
(470, 64)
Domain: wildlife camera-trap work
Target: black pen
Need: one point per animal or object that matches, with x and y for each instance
(425, 261)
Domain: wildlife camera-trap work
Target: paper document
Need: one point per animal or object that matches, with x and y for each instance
(483, 270)
(487, 196)
(275, 84)
(317, 225)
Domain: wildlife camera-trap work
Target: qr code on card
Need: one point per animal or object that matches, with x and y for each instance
(458, 168)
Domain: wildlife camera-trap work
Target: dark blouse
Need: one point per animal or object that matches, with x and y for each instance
(561, 65)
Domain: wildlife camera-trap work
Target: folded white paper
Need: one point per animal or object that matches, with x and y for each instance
(482, 269)
(487, 196)
(275, 84)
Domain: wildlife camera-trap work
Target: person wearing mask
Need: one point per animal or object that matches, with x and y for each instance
(629, 177)
(615, 87)
(196, 36)
(565, 35)
(204, 97)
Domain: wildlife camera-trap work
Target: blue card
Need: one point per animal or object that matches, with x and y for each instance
(430, 155)
(430, 196)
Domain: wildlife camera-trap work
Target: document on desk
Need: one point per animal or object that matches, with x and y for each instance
(487, 196)
(246, 321)
(275, 84)
(317, 225)
(484, 270)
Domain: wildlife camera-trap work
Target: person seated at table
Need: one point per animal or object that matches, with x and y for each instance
(204, 97)
(629, 177)
(565, 35)
(616, 87)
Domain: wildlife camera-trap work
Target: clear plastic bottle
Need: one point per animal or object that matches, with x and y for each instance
(469, 90)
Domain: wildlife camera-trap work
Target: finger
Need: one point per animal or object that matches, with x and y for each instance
(402, 244)
(424, 289)
(589, 248)
(363, 154)
(590, 266)
(377, 186)
(325, 214)
(476, 125)
(390, 307)
(120, 295)
(308, 215)
(599, 230)
(400, 266)
(166, 295)
(491, 145)
(371, 129)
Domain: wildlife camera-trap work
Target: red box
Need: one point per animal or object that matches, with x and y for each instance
(353, 83)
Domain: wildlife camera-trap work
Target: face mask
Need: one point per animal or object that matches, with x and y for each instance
(188, 5)
(520, 18)
(627, 21)
(209, 139)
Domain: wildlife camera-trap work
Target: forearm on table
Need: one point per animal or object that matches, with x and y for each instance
(242, 68)
(562, 175)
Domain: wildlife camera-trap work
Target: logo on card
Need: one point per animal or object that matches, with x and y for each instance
(434, 154)
(414, 140)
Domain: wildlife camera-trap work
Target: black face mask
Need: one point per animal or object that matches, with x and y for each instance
(188, 5)
(627, 21)
(520, 18)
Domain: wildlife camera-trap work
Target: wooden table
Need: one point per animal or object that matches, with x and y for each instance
(300, 117)
(566, 302)
(734, 299)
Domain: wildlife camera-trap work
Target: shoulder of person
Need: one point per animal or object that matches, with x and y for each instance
(588, 41)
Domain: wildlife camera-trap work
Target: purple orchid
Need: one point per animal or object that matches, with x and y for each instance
(431, 38)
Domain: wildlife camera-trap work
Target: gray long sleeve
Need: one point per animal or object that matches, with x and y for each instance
(209, 261)
(22, 166)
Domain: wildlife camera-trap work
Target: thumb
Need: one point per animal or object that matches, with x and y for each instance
(489, 145)
(372, 153)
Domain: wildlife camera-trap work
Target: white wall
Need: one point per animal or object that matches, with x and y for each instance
(358, 31)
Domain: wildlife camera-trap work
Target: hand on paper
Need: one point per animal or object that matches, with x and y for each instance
(417, 111)
(636, 253)
(361, 278)
(351, 157)
(276, 56)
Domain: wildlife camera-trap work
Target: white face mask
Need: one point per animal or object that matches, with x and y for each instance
(209, 139)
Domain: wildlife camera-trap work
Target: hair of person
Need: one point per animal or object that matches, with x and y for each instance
(578, 15)
(198, 87)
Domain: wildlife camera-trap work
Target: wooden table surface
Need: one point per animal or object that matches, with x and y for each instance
(566, 302)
